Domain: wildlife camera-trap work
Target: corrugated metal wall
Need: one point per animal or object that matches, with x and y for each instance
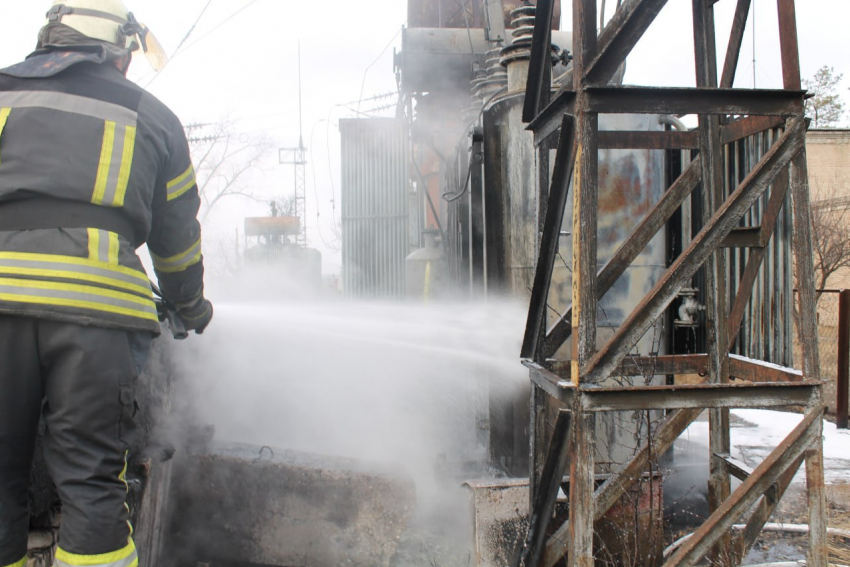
(374, 207)
(768, 329)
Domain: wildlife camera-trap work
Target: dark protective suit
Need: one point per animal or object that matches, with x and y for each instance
(91, 167)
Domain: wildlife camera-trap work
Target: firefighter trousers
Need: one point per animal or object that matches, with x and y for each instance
(80, 380)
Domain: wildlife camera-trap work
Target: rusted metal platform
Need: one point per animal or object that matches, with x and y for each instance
(571, 395)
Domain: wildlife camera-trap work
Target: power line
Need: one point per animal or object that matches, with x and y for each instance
(363, 85)
(316, 188)
(216, 28)
(188, 33)
(226, 20)
(182, 41)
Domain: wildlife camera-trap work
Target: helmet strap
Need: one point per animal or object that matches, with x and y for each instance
(59, 11)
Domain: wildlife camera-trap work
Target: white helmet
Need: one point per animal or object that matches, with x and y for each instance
(109, 21)
(98, 19)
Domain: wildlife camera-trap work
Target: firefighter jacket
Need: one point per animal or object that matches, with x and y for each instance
(106, 168)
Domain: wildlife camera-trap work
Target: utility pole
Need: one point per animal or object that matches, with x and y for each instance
(297, 157)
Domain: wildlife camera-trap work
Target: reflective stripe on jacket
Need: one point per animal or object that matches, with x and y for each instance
(127, 557)
(88, 134)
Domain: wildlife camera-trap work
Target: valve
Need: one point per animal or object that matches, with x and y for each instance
(689, 309)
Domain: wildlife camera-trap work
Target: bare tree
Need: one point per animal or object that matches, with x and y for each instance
(831, 230)
(224, 161)
(825, 108)
(284, 206)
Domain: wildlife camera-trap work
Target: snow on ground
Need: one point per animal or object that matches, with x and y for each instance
(756, 433)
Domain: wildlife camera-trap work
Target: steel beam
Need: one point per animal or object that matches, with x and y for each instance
(763, 511)
(734, 467)
(765, 475)
(736, 39)
(669, 100)
(625, 140)
(788, 44)
(549, 241)
(620, 36)
(702, 101)
(584, 229)
(584, 294)
(559, 388)
(547, 491)
(761, 372)
(715, 396)
(748, 126)
(803, 238)
(582, 484)
(818, 552)
(549, 120)
(539, 83)
(741, 368)
(747, 237)
(730, 132)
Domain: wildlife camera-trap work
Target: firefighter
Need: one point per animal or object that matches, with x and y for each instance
(91, 168)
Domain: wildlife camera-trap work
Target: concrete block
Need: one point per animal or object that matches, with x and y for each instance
(251, 505)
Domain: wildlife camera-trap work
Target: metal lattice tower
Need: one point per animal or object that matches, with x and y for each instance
(297, 158)
(571, 394)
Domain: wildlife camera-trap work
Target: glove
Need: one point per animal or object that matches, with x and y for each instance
(197, 317)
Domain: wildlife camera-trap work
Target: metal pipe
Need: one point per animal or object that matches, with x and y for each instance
(670, 120)
(843, 378)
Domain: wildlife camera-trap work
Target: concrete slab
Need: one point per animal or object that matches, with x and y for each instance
(266, 506)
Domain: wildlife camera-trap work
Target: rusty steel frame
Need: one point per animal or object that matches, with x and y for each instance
(576, 386)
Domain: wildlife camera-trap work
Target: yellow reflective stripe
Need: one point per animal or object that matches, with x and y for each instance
(126, 166)
(72, 260)
(181, 184)
(114, 248)
(4, 116)
(94, 244)
(123, 475)
(178, 257)
(82, 304)
(74, 104)
(105, 163)
(69, 275)
(174, 269)
(103, 246)
(179, 262)
(21, 563)
(76, 288)
(103, 559)
(183, 176)
(123, 478)
(54, 293)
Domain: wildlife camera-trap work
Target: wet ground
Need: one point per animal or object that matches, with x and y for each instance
(433, 541)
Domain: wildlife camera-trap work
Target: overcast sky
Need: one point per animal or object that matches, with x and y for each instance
(241, 62)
